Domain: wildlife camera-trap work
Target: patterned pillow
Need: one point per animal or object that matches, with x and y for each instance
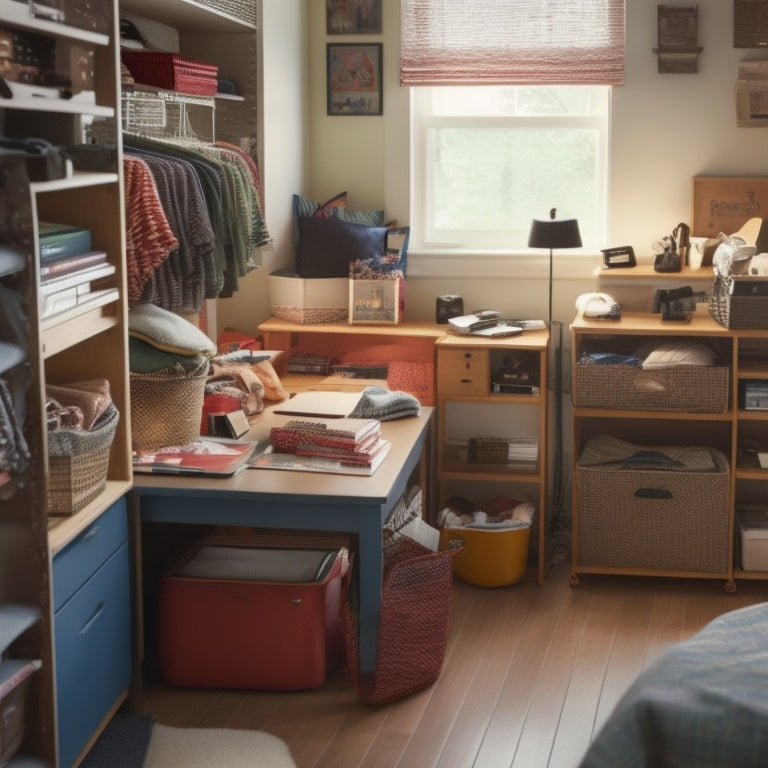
(327, 246)
(368, 218)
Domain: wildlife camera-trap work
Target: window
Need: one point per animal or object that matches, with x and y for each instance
(487, 159)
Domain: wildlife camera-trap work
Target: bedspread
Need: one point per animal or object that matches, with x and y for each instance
(703, 704)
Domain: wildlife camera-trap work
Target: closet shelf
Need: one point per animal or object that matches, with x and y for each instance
(15, 619)
(76, 180)
(199, 17)
(60, 332)
(59, 106)
(18, 14)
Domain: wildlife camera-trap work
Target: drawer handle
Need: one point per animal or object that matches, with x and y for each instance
(95, 615)
(653, 493)
(466, 381)
(88, 536)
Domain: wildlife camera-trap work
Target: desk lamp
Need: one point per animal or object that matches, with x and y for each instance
(555, 233)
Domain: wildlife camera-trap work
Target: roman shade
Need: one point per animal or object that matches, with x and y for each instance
(476, 42)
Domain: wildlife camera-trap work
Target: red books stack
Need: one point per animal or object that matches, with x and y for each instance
(352, 441)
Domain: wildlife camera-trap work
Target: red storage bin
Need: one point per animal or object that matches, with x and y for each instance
(171, 71)
(237, 612)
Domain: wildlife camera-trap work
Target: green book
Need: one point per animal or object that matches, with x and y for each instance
(58, 241)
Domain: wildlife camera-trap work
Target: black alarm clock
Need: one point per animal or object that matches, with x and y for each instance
(447, 307)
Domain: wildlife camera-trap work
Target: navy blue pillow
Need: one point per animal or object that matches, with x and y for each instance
(327, 246)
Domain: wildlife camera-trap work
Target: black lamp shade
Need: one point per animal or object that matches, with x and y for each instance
(554, 233)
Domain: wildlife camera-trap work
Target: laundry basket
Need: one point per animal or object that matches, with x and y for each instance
(413, 624)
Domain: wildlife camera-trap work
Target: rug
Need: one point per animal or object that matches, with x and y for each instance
(136, 741)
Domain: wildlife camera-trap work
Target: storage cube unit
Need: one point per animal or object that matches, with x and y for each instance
(238, 613)
(752, 523)
(654, 520)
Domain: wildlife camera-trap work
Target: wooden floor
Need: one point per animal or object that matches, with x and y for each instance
(530, 674)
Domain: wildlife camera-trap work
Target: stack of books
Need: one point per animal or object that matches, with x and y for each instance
(69, 270)
(350, 446)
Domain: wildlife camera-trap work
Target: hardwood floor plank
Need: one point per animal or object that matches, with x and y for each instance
(530, 674)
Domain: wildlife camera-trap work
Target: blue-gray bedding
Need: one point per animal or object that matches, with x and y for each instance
(703, 704)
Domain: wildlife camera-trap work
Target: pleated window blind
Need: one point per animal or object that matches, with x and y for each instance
(524, 42)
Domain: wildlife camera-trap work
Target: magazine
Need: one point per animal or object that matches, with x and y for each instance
(271, 460)
(204, 457)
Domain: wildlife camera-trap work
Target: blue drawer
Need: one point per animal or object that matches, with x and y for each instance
(93, 653)
(83, 556)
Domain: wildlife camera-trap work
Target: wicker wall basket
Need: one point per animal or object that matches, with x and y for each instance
(692, 388)
(166, 407)
(78, 461)
(245, 10)
(737, 312)
(674, 520)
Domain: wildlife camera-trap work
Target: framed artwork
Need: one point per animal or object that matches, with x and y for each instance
(750, 23)
(677, 33)
(353, 17)
(354, 79)
(374, 301)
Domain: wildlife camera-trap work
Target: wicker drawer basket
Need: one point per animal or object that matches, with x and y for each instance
(694, 388)
(672, 520)
(78, 461)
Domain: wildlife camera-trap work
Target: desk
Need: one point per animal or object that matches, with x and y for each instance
(300, 500)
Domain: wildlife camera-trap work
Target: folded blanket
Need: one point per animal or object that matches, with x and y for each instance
(385, 405)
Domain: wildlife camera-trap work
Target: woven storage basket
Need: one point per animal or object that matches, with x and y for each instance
(693, 388)
(77, 464)
(738, 312)
(243, 10)
(171, 71)
(309, 315)
(654, 519)
(413, 623)
(166, 407)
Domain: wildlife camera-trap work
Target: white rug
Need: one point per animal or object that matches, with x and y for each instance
(215, 748)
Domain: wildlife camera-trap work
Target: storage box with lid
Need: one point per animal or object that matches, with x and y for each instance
(752, 523)
(172, 72)
(632, 514)
(308, 300)
(250, 612)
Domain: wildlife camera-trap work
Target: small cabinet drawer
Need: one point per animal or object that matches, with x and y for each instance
(80, 559)
(463, 372)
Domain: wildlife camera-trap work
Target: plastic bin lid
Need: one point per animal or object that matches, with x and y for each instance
(258, 564)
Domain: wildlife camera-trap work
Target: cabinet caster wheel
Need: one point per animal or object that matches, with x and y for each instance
(574, 581)
(730, 587)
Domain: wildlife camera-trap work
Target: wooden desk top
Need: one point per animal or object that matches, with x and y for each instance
(424, 329)
(294, 486)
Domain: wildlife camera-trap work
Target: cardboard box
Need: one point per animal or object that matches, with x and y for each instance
(308, 300)
(237, 612)
(752, 525)
(726, 203)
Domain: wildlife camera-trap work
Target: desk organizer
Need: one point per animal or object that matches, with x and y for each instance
(692, 388)
(78, 461)
(237, 612)
(413, 624)
(642, 518)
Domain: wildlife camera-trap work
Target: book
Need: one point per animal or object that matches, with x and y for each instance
(58, 240)
(319, 404)
(85, 303)
(203, 457)
(80, 279)
(343, 434)
(364, 456)
(292, 461)
(67, 264)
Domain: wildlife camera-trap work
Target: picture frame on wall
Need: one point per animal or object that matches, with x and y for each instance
(374, 301)
(353, 17)
(354, 78)
(750, 23)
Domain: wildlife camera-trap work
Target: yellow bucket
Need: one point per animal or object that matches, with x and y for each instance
(490, 557)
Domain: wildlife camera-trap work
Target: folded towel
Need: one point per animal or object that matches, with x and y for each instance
(385, 405)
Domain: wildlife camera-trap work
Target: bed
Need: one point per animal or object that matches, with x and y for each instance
(703, 704)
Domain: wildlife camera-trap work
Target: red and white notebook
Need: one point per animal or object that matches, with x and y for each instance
(339, 434)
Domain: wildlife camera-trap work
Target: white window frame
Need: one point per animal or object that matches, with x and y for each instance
(425, 239)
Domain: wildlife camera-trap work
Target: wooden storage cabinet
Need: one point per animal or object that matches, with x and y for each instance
(92, 621)
(84, 343)
(667, 524)
(472, 403)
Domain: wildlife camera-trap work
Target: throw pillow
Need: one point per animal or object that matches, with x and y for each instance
(327, 246)
(303, 206)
